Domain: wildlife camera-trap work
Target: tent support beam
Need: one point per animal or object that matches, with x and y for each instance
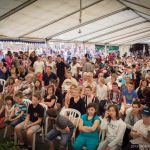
(142, 22)
(130, 35)
(61, 18)
(86, 23)
(124, 34)
(105, 28)
(136, 4)
(18, 8)
(136, 39)
(141, 13)
(133, 10)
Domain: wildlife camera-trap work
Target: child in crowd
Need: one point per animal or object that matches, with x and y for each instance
(32, 122)
(88, 127)
(19, 113)
(6, 110)
(9, 107)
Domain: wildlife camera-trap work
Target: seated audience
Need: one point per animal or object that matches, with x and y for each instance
(139, 90)
(32, 122)
(38, 88)
(76, 102)
(9, 107)
(48, 76)
(89, 97)
(115, 96)
(63, 127)
(115, 129)
(26, 86)
(141, 132)
(89, 131)
(109, 84)
(19, 112)
(50, 98)
(69, 95)
(129, 95)
(133, 115)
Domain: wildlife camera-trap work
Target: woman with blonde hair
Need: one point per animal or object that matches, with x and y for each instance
(76, 102)
(69, 95)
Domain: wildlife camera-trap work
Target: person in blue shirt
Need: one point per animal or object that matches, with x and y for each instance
(129, 95)
(88, 127)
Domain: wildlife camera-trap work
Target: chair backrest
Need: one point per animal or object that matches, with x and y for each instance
(73, 115)
(102, 135)
(27, 102)
(45, 108)
(3, 82)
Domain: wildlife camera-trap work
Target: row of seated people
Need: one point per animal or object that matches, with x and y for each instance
(19, 116)
(98, 91)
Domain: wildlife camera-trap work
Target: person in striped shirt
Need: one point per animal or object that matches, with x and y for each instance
(19, 113)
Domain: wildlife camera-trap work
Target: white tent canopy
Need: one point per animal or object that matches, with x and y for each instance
(103, 21)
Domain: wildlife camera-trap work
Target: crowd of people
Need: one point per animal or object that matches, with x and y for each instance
(112, 94)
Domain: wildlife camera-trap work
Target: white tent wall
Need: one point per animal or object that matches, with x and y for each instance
(124, 49)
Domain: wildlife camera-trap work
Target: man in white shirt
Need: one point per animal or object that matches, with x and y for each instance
(39, 66)
(51, 63)
(141, 132)
(75, 67)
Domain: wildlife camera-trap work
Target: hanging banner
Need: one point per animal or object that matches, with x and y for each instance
(111, 49)
(99, 48)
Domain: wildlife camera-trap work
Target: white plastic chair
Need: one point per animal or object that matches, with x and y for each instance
(27, 102)
(40, 130)
(73, 115)
(3, 82)
(102, 135)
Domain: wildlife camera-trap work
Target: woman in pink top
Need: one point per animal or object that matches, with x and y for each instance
(8, 59)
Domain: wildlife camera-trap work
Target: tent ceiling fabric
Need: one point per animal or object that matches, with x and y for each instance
(142, 6)
(8, 5)
(103, 21)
